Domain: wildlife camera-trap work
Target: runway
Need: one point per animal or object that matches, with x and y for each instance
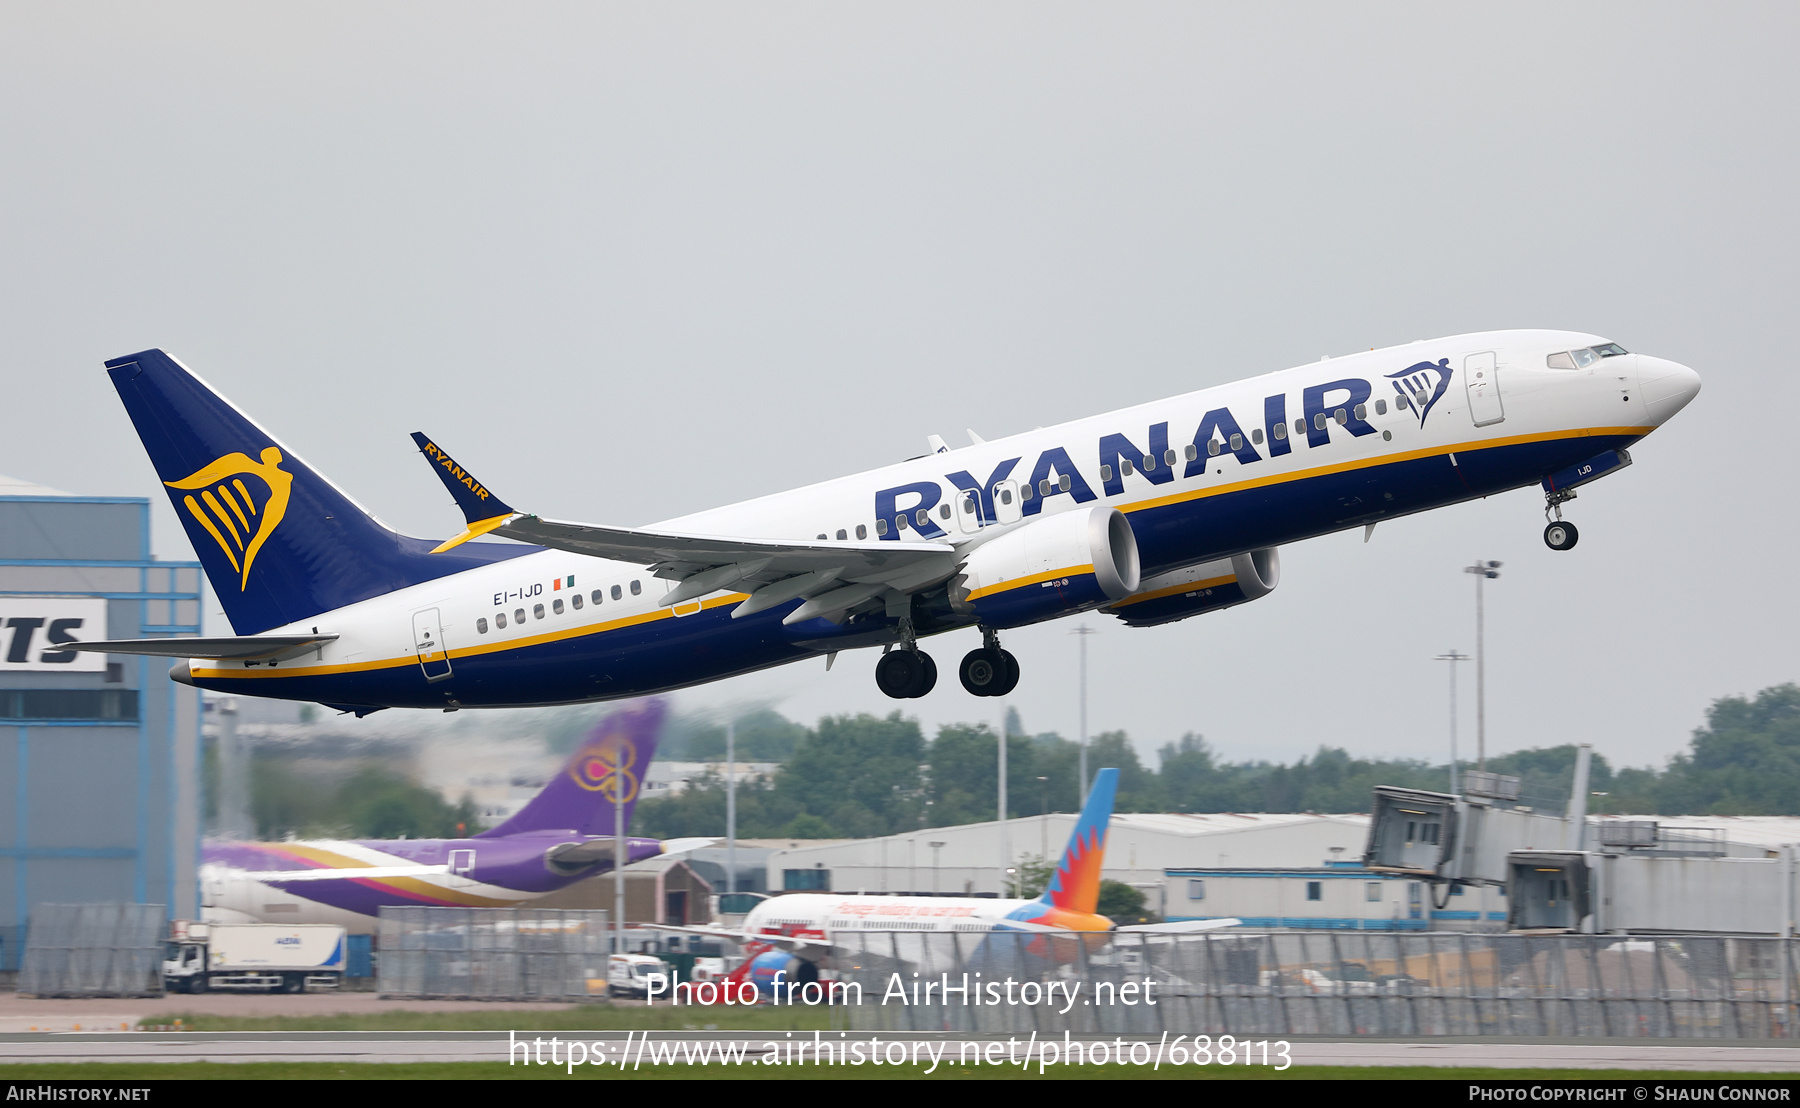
(607, 1048)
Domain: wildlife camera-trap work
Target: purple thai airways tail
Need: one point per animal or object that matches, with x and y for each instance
(581, 796)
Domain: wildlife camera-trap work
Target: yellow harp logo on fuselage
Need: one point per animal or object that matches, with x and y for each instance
(226, 507)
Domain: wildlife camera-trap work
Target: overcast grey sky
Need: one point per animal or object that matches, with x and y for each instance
(632, 261)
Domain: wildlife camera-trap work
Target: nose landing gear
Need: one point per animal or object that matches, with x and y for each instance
(1559, 534)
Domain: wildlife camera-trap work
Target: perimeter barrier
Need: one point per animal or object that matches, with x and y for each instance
(492, 953)
(1310, 983)
(82, 950)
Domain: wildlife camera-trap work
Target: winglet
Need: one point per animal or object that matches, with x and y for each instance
(482, 510)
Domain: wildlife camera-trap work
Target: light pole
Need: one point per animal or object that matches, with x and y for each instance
(1044, 824)
(1452, 657)
(731, 807)
(1005, 841)
(1483, 571)
(1081, 773)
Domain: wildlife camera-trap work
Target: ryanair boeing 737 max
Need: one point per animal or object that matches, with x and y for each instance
(1152, 514)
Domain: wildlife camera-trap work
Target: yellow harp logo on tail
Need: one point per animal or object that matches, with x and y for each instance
(227, 510)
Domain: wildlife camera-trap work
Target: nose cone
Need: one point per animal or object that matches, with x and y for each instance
(1666, 387)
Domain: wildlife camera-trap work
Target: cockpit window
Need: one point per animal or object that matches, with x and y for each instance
(1587, 356)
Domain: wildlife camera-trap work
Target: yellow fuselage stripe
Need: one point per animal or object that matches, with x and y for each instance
(1036, 578)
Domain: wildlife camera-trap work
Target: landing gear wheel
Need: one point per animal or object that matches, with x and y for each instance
(929, 679)
(1012, 674)
(982, 671)
(901, 674)
(1561, 535)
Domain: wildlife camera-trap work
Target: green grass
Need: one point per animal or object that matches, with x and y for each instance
(582, 1017)
(496, 1071)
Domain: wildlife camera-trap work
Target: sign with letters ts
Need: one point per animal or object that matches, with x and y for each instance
(33, 630)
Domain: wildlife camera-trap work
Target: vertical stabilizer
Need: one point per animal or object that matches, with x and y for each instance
(1075, 886)
(279, 542)
(580, 797)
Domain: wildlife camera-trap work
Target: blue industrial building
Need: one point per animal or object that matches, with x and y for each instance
(103, 751)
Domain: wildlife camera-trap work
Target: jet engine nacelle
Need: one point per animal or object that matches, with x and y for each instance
(1207, 587)
(1065, 563)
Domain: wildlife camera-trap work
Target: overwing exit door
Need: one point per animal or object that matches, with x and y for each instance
(1481, 378)
(428, 641)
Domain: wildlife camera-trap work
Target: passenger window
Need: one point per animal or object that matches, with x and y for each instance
(519, 616)
(1341, 416)
(1062, 483)
(900, 522)
(636, 588)
(922, 517)
(576, 601)
(1560, 361)
(1401, 402)
(943, 513)
(862, 532)
(556, 606)
(1169, 457)
(1279, 431)
(841, 537)
(1105, 475)
(1362, 411)
(1237, 443)
(1190, 451)
(537, 611)
(1149, 463)
(1300, 425)
(617, 592)
(1005, 498)
(821, 536)
(1024, 492)
(880, 529)
(1212, 450)
(500, 620)
(1381, 407)
(597, 596)
(1256, 435)
(1319, 421)
(481, 629)
(1125, 466)
(1044, 487)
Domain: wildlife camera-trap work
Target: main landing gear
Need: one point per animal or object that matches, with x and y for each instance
(908, 672)
(1560, 534)
(989, 671)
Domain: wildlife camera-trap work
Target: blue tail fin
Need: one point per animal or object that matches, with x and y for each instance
(1076, 884)
(580, 797)
(279, 542)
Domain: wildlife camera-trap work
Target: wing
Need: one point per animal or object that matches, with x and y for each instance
(244, 648)
(284, 876)
(1181, 927)
(831, 578)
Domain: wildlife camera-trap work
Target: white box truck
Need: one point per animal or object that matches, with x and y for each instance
(270, 957)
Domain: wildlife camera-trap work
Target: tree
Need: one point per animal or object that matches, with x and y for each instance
(1123, 904)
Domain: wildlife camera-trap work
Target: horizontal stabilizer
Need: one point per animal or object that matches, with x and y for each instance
(237, 648)
(683, 846)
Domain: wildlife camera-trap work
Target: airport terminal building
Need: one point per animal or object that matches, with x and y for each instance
(103, 750)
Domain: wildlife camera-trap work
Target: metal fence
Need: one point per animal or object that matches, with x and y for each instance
(94, 950)
(492, 953)
(1437, 983)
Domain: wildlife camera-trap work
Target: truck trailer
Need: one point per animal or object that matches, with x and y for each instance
(266, 957)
